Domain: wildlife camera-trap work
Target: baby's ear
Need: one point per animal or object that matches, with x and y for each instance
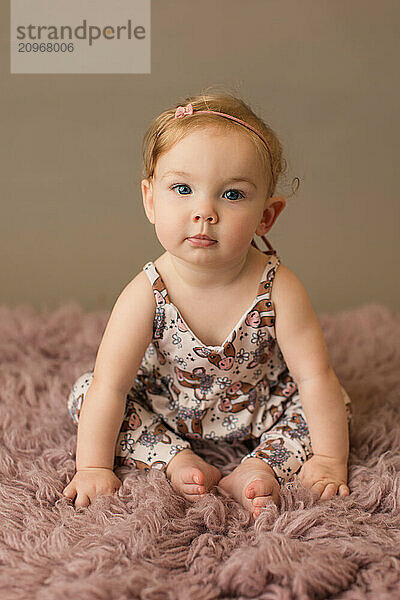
(147, 197)
(278, 203)
(275, 206)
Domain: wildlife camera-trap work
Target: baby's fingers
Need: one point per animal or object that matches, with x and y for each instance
(69, 491)
(82, 500)
(324, 490)
(344, 490)
(328, 490)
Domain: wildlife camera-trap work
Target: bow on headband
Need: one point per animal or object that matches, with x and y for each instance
(181, 111)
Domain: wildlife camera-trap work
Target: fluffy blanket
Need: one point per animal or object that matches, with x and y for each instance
(148, 542)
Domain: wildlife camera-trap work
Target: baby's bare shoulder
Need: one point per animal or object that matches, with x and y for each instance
(139, 290)
(128, 333)
(282, 275)
(135, 306)
(287, 289)
(297, 327)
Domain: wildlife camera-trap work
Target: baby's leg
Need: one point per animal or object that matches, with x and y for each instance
(286, 446)
(145, 442)
(282, 451)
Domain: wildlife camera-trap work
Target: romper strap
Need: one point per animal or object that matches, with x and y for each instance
(157, 283)
(270, 248)
(265, 286)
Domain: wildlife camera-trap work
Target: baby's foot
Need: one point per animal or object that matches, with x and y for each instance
(253, 484)
(191, 476)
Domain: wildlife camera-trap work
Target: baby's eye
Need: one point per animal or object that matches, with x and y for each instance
(179, 186)
(234, 192)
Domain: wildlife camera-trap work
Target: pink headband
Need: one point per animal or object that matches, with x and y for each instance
(181, 111)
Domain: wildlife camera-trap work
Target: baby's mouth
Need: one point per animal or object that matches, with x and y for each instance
(201, 240)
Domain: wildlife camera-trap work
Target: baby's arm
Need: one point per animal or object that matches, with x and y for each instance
(302, 343)
(127, 335)
(125, 339)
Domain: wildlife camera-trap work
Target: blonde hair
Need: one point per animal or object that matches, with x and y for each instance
(165, 131)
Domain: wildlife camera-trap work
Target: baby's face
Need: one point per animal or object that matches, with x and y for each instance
(209, 183)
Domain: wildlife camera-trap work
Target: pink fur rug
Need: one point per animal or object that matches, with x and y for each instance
(146, 541)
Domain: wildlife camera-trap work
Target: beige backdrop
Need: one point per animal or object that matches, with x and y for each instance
(322, 72)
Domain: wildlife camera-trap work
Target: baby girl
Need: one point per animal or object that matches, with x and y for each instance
(215, 339)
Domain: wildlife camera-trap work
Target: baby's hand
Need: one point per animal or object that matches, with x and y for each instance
(89, 483)
(325, 476)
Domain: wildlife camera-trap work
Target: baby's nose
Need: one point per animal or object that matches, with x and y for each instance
(206, 213)
(210, 218)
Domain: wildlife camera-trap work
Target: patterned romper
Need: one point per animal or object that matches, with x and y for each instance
(241, 390)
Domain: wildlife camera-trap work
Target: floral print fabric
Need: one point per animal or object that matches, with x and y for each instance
(240, 390)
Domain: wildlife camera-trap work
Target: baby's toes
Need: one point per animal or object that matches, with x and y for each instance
(189, 478)
(258, 487)
(193, 495)
(261, 501)
(261, 492)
